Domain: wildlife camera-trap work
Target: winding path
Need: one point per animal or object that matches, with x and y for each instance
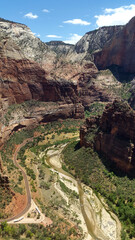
(28, 193)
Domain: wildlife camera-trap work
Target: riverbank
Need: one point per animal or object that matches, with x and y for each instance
(98, 222)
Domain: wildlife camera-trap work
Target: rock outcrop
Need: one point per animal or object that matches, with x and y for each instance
(31, 47)
(92, 41)
(113, 134)
(31, 113)
(59, 47)
(119, 50)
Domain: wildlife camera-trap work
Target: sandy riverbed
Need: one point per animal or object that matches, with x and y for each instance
(104, 225)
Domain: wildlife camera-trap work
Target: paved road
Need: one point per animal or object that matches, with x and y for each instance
(28, 193)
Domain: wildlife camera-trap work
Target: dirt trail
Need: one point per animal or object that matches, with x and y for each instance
(28, 193)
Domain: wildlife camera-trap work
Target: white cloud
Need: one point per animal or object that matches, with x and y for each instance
(116, 16)
(73, 39)
(53, 36)
(45, 11)
(31, 15)
(77, 21)
(36, 34)
(61, 26)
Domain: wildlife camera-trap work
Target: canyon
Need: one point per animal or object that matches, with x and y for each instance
(42, 83)
(33, 70)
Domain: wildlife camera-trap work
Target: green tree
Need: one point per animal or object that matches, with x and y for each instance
(22, 229)
(29, 234)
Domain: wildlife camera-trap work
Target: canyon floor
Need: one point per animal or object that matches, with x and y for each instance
(56, 194)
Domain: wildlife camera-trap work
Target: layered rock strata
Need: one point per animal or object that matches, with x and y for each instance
(31, 114)
(119, 50)
(113, 134)
(30, 70)
(91, 42)
(59, 47)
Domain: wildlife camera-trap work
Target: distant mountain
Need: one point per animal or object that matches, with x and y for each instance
(60, 47)
(93, 41)
(32, 47)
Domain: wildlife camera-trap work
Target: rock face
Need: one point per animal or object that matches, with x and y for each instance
(59, 47)
(30, 70)
(23, 77)
(93, 41)
(32, 47)
(23, 74)
(119, 50)
(30, 114)
(113, 134)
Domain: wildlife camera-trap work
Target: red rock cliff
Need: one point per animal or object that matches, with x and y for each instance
(119, 50)
(113, 134)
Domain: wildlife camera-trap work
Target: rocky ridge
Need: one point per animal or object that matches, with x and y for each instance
(119, 50)
(92, 41)
(30, 70)
(112, 134)
(59, 47)
(31, 46)
(30, 114)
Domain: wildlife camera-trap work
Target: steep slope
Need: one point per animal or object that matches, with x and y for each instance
(92, 41)
(119, 50)
(23, 78)
(39, 73)
(30, 70)
(59, 47)
(112, 134)
(31, 46)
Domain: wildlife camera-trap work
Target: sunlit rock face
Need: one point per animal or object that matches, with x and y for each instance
(119, 50)
(91, 42)
(55, 73)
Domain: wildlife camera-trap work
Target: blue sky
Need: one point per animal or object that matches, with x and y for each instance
(66, 20)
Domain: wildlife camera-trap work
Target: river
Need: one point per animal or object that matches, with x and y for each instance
(105, 227)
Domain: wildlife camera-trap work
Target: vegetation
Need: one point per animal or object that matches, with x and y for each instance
(125, 92)
(6, 154)
(39, 232)
(5, 199)
(67, 190)
(23, 108)
(105, 179)
(94, 109)
(55, 129)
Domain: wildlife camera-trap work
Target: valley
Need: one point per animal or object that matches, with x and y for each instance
(67, 127)
(56, 191)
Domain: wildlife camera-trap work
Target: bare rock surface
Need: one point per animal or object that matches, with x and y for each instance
(119, 50)
(113, 134)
